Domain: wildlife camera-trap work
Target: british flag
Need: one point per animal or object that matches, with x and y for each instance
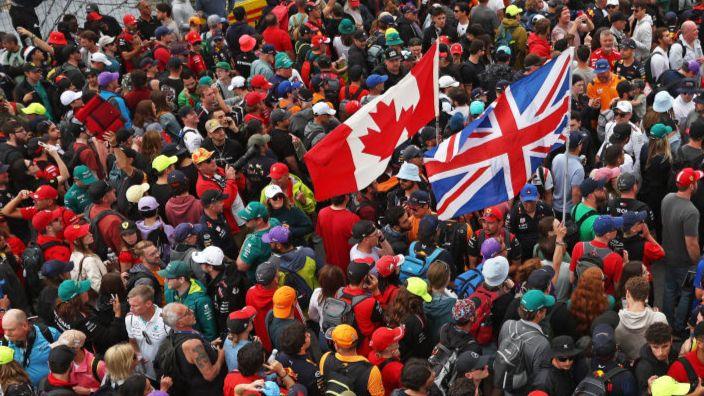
(490, 160)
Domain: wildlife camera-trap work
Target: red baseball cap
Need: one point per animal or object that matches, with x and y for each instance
(318, 40)
(688, 176)
(193, 37)
(253, 98)
(383, 337)
(129, 20)
(456, 49)
(387, 265)
(57, 38)
(75, 231)
(45, 192)
(43, 218)
(278, 170)
(259, 81)
(493, 213)
(238, 321)
(444, 40)
(94, 16)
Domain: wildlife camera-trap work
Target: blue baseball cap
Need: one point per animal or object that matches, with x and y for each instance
(604, 224)
(588, 185)
(375, 79)
(161, 31)
(286, 87)
(631, 218)
(529, 193)
(602, 66)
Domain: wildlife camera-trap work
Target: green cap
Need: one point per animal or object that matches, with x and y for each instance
(254, 210)
(162, 162)
(346, 26)
(205, 80)
(419, 287)
(82, 174)
(175, 269)
(223, 65)
(282, 61)
(7, 355)
(70, 289)
(393, 38)
(659, 131)
(534, 300)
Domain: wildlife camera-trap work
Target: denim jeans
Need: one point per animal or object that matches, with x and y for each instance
(677, 299)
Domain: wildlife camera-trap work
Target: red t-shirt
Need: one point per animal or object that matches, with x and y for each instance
(613, 264)
(261, 299)
(196, 64)
(59, 252)
(235, 378)
(278, 38)
(390, 374)
(678, 372)
(598, 53)
(335, 227)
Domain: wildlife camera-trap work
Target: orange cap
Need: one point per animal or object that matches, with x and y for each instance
(284, 298)
(344, 335)
(201, 155)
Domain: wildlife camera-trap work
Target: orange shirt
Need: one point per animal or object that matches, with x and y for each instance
(606, 91)
(375, 385)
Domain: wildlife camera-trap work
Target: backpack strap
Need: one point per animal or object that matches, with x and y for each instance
(412, 249)
(94, 368)
(692, 376)
(585, 216)
(46, 333)
(614, 372)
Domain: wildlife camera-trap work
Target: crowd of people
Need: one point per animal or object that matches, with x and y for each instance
(160, 235)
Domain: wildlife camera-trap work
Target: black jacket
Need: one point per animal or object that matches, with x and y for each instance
(647, 366)
(233, 34)
(454, 338)
(430, 34)
(24, 88)
(406, 30)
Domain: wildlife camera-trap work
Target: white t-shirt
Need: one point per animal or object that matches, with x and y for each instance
(355, 253)
(155, 329)
(192, 139)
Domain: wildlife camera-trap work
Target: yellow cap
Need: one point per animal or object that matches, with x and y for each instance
(344, 335)
(7, 354)
(161, 162)
(34, 108)
(667, 386)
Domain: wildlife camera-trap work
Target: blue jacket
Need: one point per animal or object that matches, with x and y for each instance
(37, 366)
(121, 105)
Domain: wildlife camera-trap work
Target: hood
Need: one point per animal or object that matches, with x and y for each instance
(260, 297)
(145, 229)
(646, 354)
(138, 268)
(296, 258)
(439, 307)
(534, 39)
(647, 19)
(390, 231)
(636, 321)
(196, 288)
(181, 204)
(509, 23)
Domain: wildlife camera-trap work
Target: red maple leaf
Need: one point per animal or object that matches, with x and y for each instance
(382, 143)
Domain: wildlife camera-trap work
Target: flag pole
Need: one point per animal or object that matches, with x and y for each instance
(564, 181)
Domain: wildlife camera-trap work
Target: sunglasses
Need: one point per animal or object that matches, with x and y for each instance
(277, 197)
(147, 339)
(564, 359)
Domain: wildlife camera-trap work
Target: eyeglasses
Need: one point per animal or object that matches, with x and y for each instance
(277, 197)
(147, 339)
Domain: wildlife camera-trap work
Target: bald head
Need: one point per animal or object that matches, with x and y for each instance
(689, 31)
(15, 325)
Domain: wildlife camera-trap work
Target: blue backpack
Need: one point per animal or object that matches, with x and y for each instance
(467, 282)
(417, 266)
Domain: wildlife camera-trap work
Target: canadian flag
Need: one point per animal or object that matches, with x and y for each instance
(355, 153)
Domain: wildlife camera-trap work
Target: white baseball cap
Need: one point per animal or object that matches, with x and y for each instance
(212, 255)
(237, 82)
(101, 58)
(105, 40)
(69, 97)
(624, 106)
(612, 3)
(272, 190)
(321, 108)
(447, 82)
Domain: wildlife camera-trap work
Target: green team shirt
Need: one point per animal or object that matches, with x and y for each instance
(254, 251)
(586, 230)
(77, 199)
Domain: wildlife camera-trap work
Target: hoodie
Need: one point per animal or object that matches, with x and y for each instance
(519, 37)
(144, 229)
(183, 209)
(200, 303)
(539, 46)
(261, 299)
(648, 365)
(454, 338)
(438, 311)
(630, 332)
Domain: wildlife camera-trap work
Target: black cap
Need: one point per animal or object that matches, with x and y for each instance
(603, 340)
(540, 278)
(184, 111)
(696, 130)
(361, 230)
(469, 361)
(618, 16)
(625, 181)
(172, 149)
(361, 35)
(358, 269)
(60, 359)
(97, 190)
(177, 178)
(29, 66)
(563, 346)
(588, 185)
(211, 196)
(128, 227)
(628, 43)
(392, 54)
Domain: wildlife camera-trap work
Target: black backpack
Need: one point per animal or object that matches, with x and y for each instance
(573, 227)
(452, 236)
(692, 376)
(133, 277)
(598, 385)
(161, 241)
(342, 376)
(99, 246)
(32, 261)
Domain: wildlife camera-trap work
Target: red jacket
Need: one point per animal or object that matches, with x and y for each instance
(206, 183)
(261, 299)
(59, 252)
(539, 46)
(368, 316)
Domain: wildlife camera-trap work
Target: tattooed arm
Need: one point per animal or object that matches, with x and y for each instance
(195, 354)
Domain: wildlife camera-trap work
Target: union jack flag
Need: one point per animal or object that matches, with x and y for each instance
(490, 160)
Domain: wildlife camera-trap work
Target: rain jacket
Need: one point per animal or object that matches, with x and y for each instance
(298, 186)
(202, 306)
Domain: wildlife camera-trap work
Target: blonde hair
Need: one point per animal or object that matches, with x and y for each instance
(118, 361)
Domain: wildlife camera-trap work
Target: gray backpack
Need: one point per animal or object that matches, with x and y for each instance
(340, 309)
(510, 371)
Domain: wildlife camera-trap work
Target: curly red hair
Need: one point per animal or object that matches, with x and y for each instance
(588, 299)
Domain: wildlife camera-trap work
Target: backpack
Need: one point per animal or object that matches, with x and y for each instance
(599, 385)
(375, 55)
(573, 227)
(452, 236)
(341, 377)
(304, 280)
(510, 372)
(414, 265)
(442, 362)
(75, 158)
(340, 309)
(505, 37)
(349, 96)
(592, 257)
(32, 261)
(332, 88)
(483, 327)
(99, 246)
(134, 277)
(467, 282)
(166, 361)
(100, 115)
(648, 69)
